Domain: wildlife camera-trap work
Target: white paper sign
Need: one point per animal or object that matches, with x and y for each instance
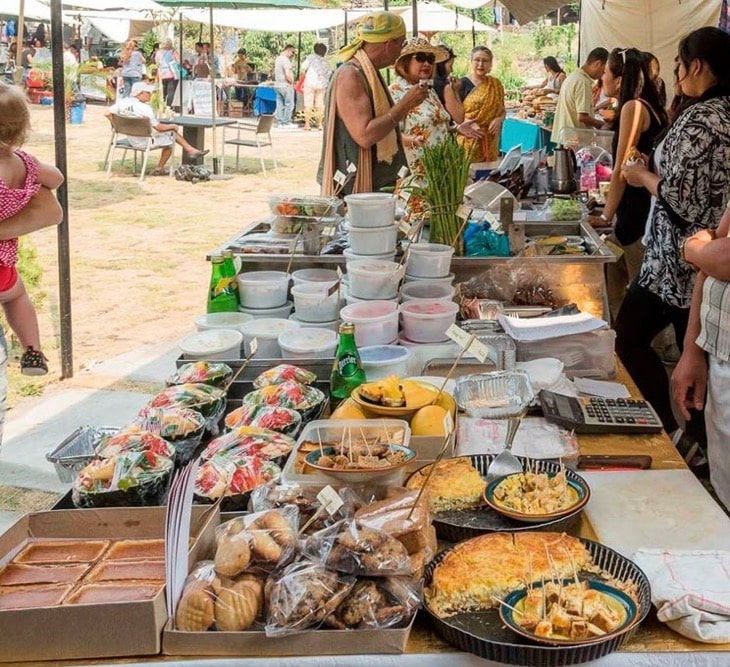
(403, 172)
(253, 346)
(339, 177)
(459, 336)
(330, 500)
(351, 168)
(463, 212)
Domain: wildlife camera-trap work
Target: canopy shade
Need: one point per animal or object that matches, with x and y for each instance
(523, 10)
(271, 20)
(433, 17)
(234, 4)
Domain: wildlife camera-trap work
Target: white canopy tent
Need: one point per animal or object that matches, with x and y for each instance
(33, 9)
(433, 17)
(523, 10)
(649, 25)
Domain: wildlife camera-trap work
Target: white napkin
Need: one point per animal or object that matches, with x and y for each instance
(691, 591)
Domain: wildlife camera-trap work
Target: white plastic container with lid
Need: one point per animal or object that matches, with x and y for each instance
(426, 289)
(326, 277)
(372, 241)
(280, 312)
(312, 303)
(263, 289)
(376, 322)
(212, 344)
(308, 343)
(379, 361)
(266, 332)
(429, 260)
(371, 209)
(351, 256)
(349, 299)
(427, 321)
(446, 280)
(319, 325)
(221, 321)
(374, 279)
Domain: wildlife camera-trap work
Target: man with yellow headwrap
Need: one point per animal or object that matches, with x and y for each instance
(361, 120)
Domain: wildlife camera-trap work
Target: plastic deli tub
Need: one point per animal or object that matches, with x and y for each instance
(379, 361)
(266, 332)
(446, 280)
(352, 256)
(372, 241)
(263, 289)
(221, 321)
(326, 277)
(212, 344)
(308, 343)
(312, 303)
(426, 289)
(317, 325)
(280, 312)
(376, 322)
(429, 260)
(374, 279)
(427, 321)
(371, 209)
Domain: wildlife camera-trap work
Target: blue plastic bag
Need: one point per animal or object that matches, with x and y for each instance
(481, 241)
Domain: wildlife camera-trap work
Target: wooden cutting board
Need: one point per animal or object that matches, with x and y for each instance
(660, 509)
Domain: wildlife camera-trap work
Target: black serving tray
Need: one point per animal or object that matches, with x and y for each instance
(461, 525)
(484, 634)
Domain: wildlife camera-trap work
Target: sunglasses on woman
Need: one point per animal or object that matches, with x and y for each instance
(425, 58)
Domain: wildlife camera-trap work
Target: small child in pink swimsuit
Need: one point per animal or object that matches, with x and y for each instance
(21, 176)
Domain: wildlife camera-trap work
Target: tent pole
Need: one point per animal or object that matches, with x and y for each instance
(180, 80)
(415, 17)
(580, 13)
(19, 43)
(59, 127)
(211, 64)
(299, 54)
(346, 38)
(473, 29)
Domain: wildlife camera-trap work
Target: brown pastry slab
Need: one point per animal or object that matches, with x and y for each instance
(20, 574)
(124, 570)
(24, 597)
(131, 591)
(62, 551)
(136, 550)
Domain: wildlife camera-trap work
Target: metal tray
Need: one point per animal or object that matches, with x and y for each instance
(77, 450)
(455, 526)
(484, 634)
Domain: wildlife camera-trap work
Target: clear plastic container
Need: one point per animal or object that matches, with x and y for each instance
(447, 280)
(496, 395)
(263, 289)
(372, 241)
(326, 277)
(374, 279)
(303, 206)
(418, 291)
(308, 343)
(317, 325)
(376, 322)
(212, 344)
(379, 361)
(429, 260)
(371, 209)
(280, 312)
(427, 321)
(312, 303)
(221, 321)
(351, 256)
(266, 332)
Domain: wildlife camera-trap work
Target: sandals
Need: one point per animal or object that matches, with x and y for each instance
(160, 172)
(33, 362)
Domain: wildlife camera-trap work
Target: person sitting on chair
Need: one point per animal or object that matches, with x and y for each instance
(137, 106)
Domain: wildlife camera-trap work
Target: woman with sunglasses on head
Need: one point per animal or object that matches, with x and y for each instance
(427, 123)
(640, 118)
(483, 98)
(691, 195)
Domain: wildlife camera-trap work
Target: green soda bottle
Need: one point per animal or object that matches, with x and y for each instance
(230, 271)
(221, 296)
(347, 372)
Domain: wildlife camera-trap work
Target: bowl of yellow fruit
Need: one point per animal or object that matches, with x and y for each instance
(393, 396)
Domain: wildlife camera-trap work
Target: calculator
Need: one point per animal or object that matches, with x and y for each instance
(600, 415)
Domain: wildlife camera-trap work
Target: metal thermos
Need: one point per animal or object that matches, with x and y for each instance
(564, 171)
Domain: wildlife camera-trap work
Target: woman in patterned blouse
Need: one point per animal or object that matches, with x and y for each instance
(691, 196)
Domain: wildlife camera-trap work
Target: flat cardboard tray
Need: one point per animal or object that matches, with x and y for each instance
(90, 630)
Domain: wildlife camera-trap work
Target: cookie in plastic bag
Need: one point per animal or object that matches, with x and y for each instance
(351, 548)
(301, 596)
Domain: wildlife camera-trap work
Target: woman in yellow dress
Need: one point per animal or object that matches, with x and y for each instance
(483, 98)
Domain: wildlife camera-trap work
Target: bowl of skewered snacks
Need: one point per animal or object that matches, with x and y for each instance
(357, 461)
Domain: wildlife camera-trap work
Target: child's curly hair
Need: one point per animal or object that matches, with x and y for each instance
(14, 117)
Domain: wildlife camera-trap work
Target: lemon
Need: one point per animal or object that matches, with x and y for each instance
(429, 421)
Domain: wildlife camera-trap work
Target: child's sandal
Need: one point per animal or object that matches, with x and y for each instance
(33, 362)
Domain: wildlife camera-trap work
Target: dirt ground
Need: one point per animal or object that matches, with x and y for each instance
(138, 268)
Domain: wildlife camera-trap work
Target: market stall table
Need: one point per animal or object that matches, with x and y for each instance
(194, 132)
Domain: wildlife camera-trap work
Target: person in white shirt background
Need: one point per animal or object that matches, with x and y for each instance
(317, 75)
(284, 86)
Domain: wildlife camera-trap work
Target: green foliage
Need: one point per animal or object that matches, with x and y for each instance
(555, 41)
(509, 76)
(149, 39)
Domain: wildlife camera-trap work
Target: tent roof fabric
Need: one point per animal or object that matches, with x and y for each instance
(523, 10)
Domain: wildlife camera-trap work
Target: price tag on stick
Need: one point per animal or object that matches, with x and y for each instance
(253, 346)
(339, 178)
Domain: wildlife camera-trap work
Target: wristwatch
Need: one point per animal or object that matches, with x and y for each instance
(604, 218)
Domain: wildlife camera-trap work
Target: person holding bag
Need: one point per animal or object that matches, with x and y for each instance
(640, 118)
(168, 70)
(691, 196)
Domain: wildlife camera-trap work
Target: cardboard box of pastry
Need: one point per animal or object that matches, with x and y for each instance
(86, 583)
(256, 643)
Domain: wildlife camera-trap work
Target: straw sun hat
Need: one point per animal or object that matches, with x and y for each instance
(418, 45)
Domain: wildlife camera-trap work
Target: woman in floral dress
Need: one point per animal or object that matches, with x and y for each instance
(427, 124)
